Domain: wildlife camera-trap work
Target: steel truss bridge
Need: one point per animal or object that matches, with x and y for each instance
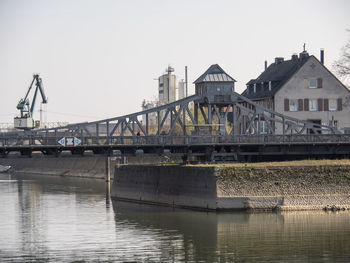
(233, 128)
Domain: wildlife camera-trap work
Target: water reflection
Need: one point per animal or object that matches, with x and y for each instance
(192, 235)
(230, 237)
(108, 194)
(30, 220)
(57, 219)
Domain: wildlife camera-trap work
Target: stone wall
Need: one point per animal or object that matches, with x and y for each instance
(303, 187)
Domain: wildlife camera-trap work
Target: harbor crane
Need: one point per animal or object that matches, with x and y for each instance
(25, 121)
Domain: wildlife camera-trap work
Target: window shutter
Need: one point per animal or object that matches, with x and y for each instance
(300, 105)
(306, 104)
(286, 104)
(319, 83)
(326, 105)
(306, 83)
(340, 104)
(320, 104)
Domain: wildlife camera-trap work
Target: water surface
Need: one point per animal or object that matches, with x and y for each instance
(58, 219)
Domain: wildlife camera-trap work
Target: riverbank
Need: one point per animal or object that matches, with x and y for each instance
(299, 185)
(295, 185)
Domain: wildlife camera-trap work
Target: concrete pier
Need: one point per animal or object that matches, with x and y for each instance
(235, 188)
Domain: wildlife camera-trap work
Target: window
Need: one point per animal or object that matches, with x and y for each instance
(270, 85)
(313, 83)
(332, 104)
(312, 105)
(263, 127)
(293, 105)
(254, 88)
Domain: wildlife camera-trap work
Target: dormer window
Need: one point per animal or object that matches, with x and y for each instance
(254, 87)
(270, 85)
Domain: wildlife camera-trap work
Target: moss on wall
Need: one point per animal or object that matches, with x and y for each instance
(283, 180)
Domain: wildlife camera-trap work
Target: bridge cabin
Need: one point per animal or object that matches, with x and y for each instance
(215, 86)
(216, 90)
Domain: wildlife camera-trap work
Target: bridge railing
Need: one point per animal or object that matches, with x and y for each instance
(52, 140)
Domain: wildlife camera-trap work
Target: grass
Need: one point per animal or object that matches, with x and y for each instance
(300, 163)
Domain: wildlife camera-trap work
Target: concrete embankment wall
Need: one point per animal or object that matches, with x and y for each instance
(230, 188)
(171, 185)
(88, 166)
(72, 166)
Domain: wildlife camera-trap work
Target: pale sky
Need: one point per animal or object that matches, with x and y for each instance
(98, 59)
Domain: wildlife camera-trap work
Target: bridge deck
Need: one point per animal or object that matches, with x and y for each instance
(227, 151)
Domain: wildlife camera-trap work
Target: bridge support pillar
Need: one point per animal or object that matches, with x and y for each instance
(196, 116)
(210, 118)
(108, 168)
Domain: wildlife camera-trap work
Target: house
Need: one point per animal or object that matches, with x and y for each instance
(302, 88)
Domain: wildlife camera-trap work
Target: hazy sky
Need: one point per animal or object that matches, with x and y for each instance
(99, 59)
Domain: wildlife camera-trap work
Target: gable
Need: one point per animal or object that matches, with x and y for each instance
(312, 70)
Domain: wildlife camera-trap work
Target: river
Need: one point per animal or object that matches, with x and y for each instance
(59, 219)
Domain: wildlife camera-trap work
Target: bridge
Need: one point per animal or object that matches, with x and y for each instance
(199, 127)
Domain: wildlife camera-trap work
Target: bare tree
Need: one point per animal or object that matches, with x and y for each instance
(342, 65)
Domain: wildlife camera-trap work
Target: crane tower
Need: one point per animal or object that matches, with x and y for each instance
(25, 121)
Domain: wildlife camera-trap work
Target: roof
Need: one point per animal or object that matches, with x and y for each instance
(215, 74)
(278, 74)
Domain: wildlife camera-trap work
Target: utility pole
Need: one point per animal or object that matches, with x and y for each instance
(186, 81)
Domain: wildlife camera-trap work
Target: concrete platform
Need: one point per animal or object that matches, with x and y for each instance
(230, 188)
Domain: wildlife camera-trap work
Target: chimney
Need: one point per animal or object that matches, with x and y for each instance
(265, 64)
(322, 56)
(294, 57)
(279, 60)
(303, 55)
